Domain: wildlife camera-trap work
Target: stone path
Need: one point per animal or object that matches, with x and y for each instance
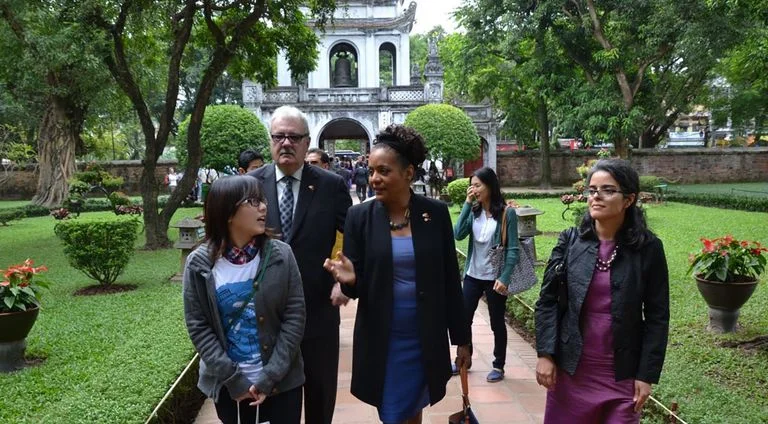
(518, 399)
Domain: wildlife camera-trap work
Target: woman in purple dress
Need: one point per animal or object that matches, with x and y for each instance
(602, 318)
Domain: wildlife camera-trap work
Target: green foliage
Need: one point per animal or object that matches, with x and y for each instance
(727, 260)
(448, 132)
(8, 215)
(457, 190)
(227, 130)
(724, 201)
(99, 249)
(118, 198)
(649, 182)
(106, 358)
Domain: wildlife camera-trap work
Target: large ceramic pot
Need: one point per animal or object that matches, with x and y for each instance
(724, 301)
(13, 344)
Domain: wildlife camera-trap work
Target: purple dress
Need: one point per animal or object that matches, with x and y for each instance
(592, 394)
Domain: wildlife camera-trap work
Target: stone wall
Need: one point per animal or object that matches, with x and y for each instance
(683, 166)
(22, 183)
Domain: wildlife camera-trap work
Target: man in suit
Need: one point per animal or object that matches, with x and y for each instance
(307, 205)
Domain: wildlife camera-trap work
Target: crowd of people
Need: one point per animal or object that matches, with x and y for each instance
(262, 292)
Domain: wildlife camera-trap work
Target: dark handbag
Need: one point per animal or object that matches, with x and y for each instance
(465, 416)
(497, 254)
(523, 274)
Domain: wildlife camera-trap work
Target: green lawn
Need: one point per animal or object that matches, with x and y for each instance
(711, 384)
(741, 189)
(13, 203)
(109, 358)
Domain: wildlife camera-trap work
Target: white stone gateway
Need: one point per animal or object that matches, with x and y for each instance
(348, 96)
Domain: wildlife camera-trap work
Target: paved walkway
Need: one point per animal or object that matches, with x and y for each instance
(518, 399)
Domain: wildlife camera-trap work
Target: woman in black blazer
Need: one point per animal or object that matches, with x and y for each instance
(599, 355)
(400, 261)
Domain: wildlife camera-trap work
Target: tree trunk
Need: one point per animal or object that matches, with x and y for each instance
(622, 148)
(543, 120)
(56, 145)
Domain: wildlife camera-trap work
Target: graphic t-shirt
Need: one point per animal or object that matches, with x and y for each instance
(234, 284)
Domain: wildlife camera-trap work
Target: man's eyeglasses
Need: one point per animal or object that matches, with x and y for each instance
(293, 138)
(601, 192)
(253, 201)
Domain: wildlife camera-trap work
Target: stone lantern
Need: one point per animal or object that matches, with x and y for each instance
(419, 187)
(526, 224)
(191, 232)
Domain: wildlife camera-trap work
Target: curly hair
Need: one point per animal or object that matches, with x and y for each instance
(405, 142)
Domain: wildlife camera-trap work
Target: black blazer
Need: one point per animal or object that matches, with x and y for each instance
(639, 307)
(321, 209)
(368, 244)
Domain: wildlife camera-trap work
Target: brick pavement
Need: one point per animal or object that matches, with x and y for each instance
(517, 399)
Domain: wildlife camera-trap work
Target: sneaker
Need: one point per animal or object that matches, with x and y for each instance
(495, 375)
(454, 369)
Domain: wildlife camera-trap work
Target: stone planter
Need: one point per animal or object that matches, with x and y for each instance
(13, 343)
(724, 301)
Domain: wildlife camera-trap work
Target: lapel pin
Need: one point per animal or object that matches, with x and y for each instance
(311, 188)
(426, 217)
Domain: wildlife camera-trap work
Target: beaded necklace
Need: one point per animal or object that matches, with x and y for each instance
(400, 226)
(604, 266)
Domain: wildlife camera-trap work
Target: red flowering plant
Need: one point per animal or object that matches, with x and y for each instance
(727, 260)
(20, 287)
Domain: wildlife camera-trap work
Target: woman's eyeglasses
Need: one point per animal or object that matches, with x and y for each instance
(601, 192)
(253, 201)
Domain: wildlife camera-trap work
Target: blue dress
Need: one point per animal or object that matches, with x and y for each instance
(405, 387)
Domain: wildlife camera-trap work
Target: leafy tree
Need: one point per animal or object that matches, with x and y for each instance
(448, 132)
(48, 66)
(227, 130)
(240, 37)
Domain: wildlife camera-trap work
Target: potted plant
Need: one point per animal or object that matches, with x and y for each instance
(20, 289)
(726, 272)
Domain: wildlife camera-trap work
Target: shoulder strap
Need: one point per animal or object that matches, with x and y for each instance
(504, 226)
(256, 281)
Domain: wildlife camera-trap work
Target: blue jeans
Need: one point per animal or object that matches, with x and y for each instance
(473, 291)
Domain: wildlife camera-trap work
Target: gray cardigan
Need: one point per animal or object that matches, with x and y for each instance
(281, 315)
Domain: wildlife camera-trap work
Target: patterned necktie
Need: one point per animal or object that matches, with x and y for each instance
(286, 207)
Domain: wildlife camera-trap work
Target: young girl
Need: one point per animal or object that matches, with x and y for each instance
(244, 309)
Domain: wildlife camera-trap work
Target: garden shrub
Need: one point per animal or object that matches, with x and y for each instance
(533, 194)
(227, 130)
(99, 249)
(457, 190)
(12, 214)
(649, 182)
(448, 132)
(118, 198)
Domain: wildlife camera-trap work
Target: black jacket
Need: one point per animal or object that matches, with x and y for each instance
(368, 244)
(639, 307)
(321, 209)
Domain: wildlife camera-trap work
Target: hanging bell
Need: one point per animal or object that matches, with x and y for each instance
(342, 73)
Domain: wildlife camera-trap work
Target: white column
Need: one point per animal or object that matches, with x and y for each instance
(371, 60)
(404, 60)
(283, 72)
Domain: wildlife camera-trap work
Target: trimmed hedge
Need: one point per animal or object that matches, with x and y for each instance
(99, 249)
(534, 194)
(457, 190)
(723, 201)
(649, 182)
(11, 214)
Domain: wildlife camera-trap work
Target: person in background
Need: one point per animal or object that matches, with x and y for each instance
(308, 206)
(319, 158)
(400, 262)
(249, 160)
(244, 309)
(480, 219)
(602, 349)
(360, 177)
(172, 180)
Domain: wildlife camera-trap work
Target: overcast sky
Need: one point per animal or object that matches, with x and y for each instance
(430, 13)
